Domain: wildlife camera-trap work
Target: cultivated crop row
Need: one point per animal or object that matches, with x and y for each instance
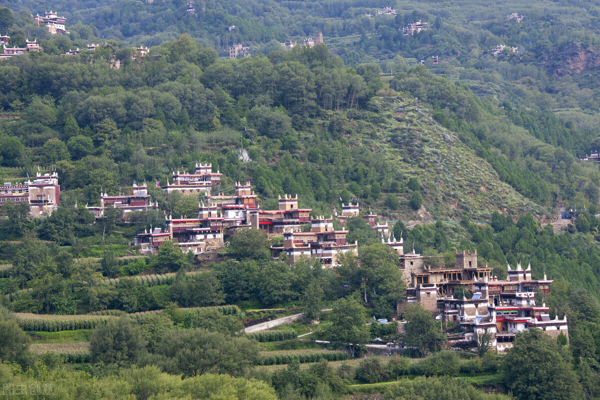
(304, 358)
(272, 336)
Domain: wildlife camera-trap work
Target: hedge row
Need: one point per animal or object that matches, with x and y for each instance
(148, 280)
(226, 310)
(115, 313)
(272, 336)
(77, 358)
(41, 325)
(304, 358)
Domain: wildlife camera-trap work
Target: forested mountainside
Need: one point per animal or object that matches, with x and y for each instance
(546, 63)
(310, 126)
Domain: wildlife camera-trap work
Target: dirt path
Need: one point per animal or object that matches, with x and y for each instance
(263, 326)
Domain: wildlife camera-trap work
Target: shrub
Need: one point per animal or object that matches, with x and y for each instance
(442, 363)
(345, 371)
(398, 366)
(370, 370)
(272, 336)
(392, 202)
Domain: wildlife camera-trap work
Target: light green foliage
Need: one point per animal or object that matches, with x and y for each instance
(214, 321)
(141, 383)
(442, 363)
(155, 327)
(437, 389)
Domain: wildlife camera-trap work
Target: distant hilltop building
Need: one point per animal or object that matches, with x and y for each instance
(308, 42)
(499, 49)
(385, 11)
(415, 27)
(42, 194)
(322, 242)
(4, 39)
(516, 17)
(289, 44)
(237, 51)
(200, 181)
(139, 200)
(31, 46)
(191, 9)
(53, 22)
(593, 157)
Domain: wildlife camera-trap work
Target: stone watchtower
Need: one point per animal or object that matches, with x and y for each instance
(466, 259)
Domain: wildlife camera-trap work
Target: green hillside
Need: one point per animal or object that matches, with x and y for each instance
(454, 180)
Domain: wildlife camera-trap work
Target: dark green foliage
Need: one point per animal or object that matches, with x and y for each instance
(6, 19)
(196, 351)
(250, 243)
(554, 377)
(109, 265)
(422, 330)
(371, 370)
(272, 336)
(442, 363)
(347, 324)
(303, 358)
(170, 258)
(398, 366)
(392, 202)
(379, 330)
(413, 184)
(118, 341)
(14, 343)
(214, 321)
(416, 200)
(308, 383)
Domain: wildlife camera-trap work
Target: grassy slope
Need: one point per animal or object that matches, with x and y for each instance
(453, 179)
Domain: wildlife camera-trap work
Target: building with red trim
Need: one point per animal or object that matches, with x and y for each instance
(31, 46)
(42, 194)
(322, 242)
(201, 181)
(53, 22)
(197, 235)
(138, 200)
(503, 308)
